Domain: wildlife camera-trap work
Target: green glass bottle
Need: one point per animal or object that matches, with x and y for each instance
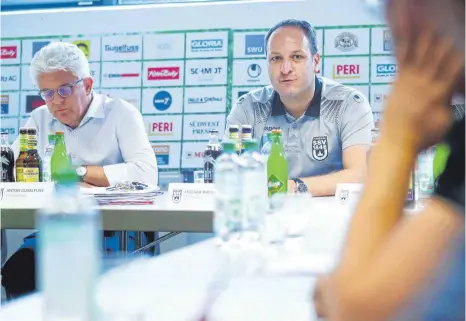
(61, 167)
(277, 166)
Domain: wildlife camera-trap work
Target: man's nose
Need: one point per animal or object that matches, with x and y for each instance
(286, 67)
(57, 99)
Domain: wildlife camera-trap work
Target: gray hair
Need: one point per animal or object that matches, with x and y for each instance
(58, 56)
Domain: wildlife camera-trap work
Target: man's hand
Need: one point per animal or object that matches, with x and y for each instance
(414, 114)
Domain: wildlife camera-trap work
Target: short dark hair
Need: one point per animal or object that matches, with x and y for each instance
(305, 26)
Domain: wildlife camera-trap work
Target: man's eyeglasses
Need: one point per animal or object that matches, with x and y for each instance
(63, 91)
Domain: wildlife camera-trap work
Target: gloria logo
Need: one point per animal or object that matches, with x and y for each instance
(38, 45)
(123, 49)
(386, 70)
(163, 73)
(4, 104)
(346, 72)
(387, 40)
(206, 45)
(162, 100)
(161, 129)
(346, 41)
(162, 154)
(203, 127)
(9, 52)
(204, 100)
(254, 45)
(85, 46)
(254, 71)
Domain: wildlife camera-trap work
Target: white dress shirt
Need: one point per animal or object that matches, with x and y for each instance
(111, 135)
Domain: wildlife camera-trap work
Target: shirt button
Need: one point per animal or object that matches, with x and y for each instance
(294, 125)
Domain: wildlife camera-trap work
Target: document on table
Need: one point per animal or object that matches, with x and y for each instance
(104, 196)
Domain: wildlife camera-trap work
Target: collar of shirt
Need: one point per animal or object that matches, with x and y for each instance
(313, 110)
(95, 110)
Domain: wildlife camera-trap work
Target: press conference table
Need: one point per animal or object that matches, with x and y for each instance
(175, 286)
(157, 217)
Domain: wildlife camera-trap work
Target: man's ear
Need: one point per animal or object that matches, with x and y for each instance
(315, 61)
(88, 84)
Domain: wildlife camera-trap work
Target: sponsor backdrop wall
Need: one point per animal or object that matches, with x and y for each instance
(184, 66)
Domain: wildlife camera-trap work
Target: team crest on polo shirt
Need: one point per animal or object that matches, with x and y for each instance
(319, 148)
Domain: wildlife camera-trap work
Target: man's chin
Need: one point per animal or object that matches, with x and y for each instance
(288, 93)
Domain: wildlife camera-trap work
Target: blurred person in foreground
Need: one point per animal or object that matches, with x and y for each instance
(105, 137)
(396, 267)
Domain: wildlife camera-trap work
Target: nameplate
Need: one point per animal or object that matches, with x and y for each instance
(347, 195)
(24, 195)
(191, 196)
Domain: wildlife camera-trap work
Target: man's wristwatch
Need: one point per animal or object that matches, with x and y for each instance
(301, 187)
(81, 171)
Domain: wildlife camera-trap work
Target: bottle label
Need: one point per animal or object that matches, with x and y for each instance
(23, 143)
(31, 175)
(275, 185)
(19, 174)
(32, 142)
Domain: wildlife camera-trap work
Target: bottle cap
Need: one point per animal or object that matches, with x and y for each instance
(233, 129)
(246, 129)
(60, 133)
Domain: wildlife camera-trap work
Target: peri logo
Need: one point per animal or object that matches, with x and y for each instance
(176, 197)
(319, 148)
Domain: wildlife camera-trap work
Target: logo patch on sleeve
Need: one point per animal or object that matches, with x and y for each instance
(358, 98)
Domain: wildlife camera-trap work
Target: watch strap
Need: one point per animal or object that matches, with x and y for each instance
(301, 187)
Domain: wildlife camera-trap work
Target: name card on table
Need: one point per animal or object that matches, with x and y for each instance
(191, 196)
(347, 195)
(24, 195)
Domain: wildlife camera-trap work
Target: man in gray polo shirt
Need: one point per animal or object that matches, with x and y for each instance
(326, 126)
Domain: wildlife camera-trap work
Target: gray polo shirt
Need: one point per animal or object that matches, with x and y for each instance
(337, 118)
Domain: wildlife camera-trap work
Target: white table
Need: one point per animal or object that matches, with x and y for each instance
(174, 286)
(157, 217)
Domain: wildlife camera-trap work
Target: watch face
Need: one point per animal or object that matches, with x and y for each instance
(81, 170)
(301, 188)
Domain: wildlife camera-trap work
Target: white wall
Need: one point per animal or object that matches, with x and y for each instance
(237, 15)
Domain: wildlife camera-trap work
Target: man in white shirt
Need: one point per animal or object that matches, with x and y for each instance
(105, 137)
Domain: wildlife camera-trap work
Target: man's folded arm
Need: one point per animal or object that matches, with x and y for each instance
(355, 132)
